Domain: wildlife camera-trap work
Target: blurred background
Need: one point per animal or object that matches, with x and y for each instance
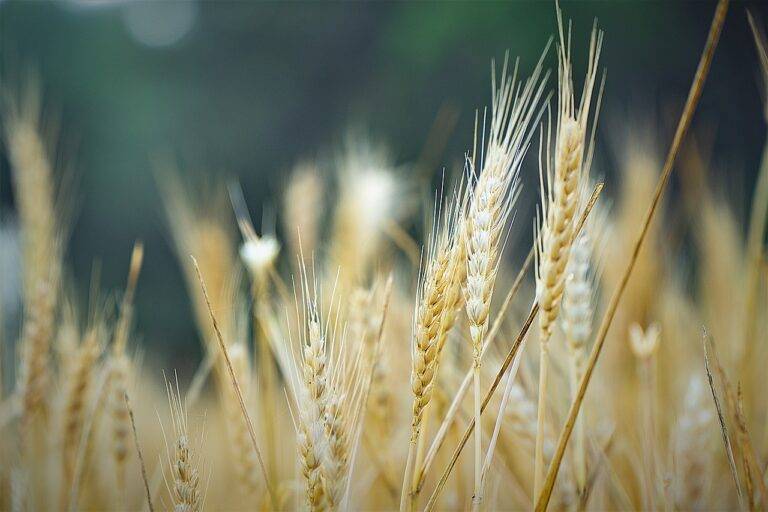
(245, 90)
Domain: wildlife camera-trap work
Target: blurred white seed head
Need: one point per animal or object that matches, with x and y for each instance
(259, 254)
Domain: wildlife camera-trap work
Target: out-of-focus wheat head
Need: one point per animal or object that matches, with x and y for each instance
(303, 207)
(32, 158)
(370, 196)
(203, 228)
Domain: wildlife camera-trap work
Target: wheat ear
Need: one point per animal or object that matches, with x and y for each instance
(576, 321)
(428, 332)
(559, 205)
(184, 487)
(35, 200)
(118, 374)
(79, 385)
(492, 199)
(542, 499)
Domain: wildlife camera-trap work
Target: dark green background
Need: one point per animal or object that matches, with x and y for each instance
(256, 86)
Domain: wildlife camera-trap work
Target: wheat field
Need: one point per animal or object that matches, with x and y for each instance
(351, 364)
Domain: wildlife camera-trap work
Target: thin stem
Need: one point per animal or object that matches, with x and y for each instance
(477, 498)
(541, 418)
(580, 449)
(138, 451)
(685, 122)
(238, 392)
(502, 408)
(407, 476)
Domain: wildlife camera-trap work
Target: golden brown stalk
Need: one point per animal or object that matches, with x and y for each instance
(559, 206)
(233, 377)
(685, 120)
(139, 453)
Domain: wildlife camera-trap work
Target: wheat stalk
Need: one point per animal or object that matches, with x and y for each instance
(491, 202)
(559, 205)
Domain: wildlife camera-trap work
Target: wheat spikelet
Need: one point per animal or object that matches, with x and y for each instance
(309, 442)
(336, 460)
(559, 205)
(427, 330)
(120, 421)
(311, 391)
(183, 461)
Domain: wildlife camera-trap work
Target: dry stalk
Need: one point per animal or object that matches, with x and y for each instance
(139, 453)
(236, 386)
